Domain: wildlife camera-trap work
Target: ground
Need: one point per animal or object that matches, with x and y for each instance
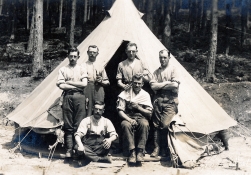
(231, 89)
(233, 97)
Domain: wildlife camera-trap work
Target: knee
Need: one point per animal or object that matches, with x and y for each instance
(143, 123)
(125, 124)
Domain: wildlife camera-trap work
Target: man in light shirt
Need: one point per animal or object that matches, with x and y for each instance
(97, 79)
(95, 135)
(135, 109)
(72, 79)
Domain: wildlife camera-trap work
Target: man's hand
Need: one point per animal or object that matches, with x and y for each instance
(99, 79)
(81, 148)
(133, 122)
(134, 105)
(126, 86)
(107, 143)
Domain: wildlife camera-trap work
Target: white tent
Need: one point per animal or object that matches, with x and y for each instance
(197, 109)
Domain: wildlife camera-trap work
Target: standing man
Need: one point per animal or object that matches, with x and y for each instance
(95, 135)
(135, 109)
(165, 83)
(72, 79)
(97, 78)
(130, 67)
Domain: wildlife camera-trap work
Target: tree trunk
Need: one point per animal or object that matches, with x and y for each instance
(13, 18)
(28, 14)
(73, 21)
(68, 19)
(199, 16)
(204, 17)
(31, 37)
(244, 20)
(60, 13)
(149, 14)
(1, 6)
(167, 24)
(228, 25)
(213, 43)
(37, 68)
(84, 18)
(192, 19)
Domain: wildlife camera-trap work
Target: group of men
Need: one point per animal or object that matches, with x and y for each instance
(89, 133)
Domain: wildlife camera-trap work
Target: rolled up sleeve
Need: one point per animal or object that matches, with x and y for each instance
(61, 78)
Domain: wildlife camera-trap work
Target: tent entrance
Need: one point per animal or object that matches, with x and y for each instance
(112, 91)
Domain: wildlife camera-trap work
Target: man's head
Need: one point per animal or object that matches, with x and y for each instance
(164, 57)
(92, 52)
(98, 109)
(73, 55)
(131, 50)
(137, 83)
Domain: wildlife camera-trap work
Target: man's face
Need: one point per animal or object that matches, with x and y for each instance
(92, 53)
(131, 52)
(137, 85)
(164, 59)
(98, 110)
(73, 57)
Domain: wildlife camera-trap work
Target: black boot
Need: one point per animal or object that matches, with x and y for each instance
(156, 141)
(68, 144)
(224, 137)
(163, 143)
(132, 157)
(140, 155)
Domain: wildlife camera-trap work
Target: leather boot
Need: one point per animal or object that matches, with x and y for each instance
(140, 156)
(68, 144)
(163, 144)
(156, 140)
(105, 159)
(224, 137)
(132, 157)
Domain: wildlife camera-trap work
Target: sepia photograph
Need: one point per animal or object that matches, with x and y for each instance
(125, 87)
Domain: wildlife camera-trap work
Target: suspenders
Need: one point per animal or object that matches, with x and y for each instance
(103, 132)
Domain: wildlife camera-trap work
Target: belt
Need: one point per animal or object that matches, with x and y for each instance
(73, 92)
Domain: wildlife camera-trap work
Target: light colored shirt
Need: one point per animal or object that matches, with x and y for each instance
(126, 69)
(165, 74)
(142, 98)
(95, 126)
(93, 71)
(69, 73)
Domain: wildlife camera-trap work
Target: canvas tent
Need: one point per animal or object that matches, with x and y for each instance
(197, 109)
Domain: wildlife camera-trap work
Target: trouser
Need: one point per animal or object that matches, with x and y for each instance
(163, 114)
(73, 113)
(94, 92)
(94, 148)
(137, 133)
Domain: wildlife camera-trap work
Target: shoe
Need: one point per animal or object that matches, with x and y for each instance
(68, 153)
(132, 157)
(105, 159)
(155, 152)
(140, 156)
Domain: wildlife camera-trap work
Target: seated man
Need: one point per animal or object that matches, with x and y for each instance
(95, 135)
(135, 108)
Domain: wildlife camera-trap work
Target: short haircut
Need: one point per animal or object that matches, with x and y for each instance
(130, 44)
(93, 46)
(137, 77)
(73, 49)
(99, 103)
(164, 50)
